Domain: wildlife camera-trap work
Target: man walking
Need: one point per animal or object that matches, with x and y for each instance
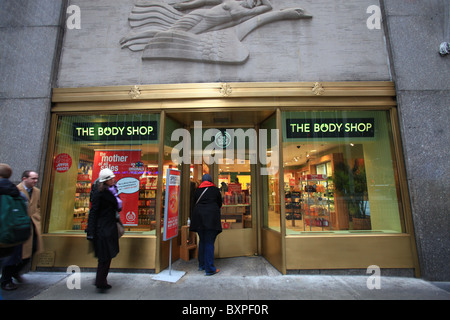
(23, 253)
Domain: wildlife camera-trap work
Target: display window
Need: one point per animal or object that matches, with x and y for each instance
(84, 144)
(339, 172)
(271, 204)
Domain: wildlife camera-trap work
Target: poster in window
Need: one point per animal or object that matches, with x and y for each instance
(172, 204)
(127, 168)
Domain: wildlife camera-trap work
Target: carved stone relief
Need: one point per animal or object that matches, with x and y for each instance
(200, 30)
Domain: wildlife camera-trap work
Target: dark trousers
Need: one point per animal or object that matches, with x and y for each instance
(13, 264)
(102, 273)
(206, 250)
(10, 271)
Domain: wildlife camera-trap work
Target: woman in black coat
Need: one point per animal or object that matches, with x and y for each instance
(102, 225)
(206, 222)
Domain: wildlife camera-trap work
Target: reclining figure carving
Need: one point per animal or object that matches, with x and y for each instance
(200, 30)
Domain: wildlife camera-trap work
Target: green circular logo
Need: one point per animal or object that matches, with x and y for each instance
(222, 139)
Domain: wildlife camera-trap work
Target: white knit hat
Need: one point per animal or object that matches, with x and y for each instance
(105, 175)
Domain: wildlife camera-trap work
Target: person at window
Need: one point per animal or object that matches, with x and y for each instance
(21, 258)
(206, 222)
(102, 225)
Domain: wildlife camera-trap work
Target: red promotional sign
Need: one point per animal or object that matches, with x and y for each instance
(292, 182)
(321, 177)
(127, 167)
(234, 187)
(172, 204)
(62, 162)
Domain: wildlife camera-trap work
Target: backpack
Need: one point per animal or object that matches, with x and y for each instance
(15, 224)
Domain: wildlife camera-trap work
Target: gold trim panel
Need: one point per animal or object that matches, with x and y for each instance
(271, 248)
(235, 243)
(348, 252)
(158, 94)
(135, 252)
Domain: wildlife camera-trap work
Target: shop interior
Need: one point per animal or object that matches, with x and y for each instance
(327, 189)
(234, 182)
(311, 200)
(314, 200)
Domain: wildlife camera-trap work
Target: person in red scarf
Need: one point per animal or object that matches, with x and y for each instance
(206, 222)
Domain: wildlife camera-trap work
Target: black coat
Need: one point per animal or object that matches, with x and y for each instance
(206, 213)
(102, 225)
(10, 189)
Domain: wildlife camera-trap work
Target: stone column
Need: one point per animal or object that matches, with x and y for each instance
(30, 34)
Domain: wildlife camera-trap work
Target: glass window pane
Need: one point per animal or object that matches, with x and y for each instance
(270, 177)
(170, 163)
(126, 144)
(339, 172)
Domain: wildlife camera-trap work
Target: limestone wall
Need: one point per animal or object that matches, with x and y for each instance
(334, 45)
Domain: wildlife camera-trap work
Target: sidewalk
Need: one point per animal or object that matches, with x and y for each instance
(244, 278)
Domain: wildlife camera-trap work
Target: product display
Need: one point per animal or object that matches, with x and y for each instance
(316, 205)
(146, 202)
(234, 216)
(82, 191)
(147, 199)
(236, 208)
(293, 206)
(309, 202)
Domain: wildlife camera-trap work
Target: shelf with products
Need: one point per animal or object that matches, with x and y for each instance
(147, 201)
(82, 192)
(317, 205)
(293, 208)
(235, 216)
(80, 211)
(236, 209)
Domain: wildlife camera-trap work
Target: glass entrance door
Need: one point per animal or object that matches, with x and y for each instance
(237, 183)
(236, 179)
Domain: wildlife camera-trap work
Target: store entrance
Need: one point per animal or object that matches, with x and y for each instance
(234, 174)
(233, 171)
(239, 231)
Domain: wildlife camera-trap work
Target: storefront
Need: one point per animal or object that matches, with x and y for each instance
(312, 174)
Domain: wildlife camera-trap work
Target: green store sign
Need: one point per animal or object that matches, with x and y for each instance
(115, 131)
(330, 128)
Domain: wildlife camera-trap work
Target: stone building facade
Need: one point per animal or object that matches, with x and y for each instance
(49, 44)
